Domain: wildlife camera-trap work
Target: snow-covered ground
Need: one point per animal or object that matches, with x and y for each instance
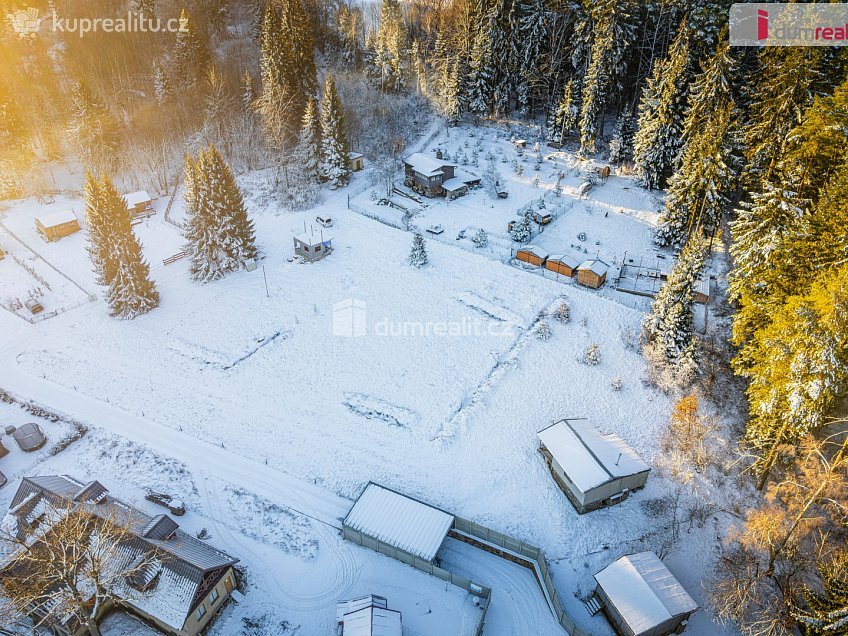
(268, 400)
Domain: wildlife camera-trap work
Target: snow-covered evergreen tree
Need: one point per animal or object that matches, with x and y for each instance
(418, 254)
(621, 144)
(304, 164)
(248, 93)
(564, 117)
(191, 56)
(334, 147)
(480, 238)
(219, 233)
(669, 325)
(522, 230)
(658, 139)
(115, 251)
(481, 74)
(392, 48)
(94, 128)
(161, 84)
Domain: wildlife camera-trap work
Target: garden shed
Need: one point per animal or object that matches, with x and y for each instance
(562, 264)
(396, 525)
(55, 225)
(311, 246)
(532, 254)
(641, 597)
(139, 203)
(593, 469)
(356, 161)
(592, 273)
(368, 616)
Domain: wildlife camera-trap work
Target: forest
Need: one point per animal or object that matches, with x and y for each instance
(748, 144)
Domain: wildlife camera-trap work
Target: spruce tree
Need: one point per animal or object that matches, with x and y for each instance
(481, 74)
(334, 147)
(697, 192)
(115, 251)
(564, 117)
(219, 233)
(657, 142)
(191, 57)
(392, 47)
(669, 324)
(304, 164)
(825, 611)
(93, 126)
(418, 254)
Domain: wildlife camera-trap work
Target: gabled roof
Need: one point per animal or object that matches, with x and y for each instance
(644, 592)
(587, 456)
(426, 165)
(52, 219)
(368, 616)
(134, 198)
(594, 265)
(185, 560)
(535, 251)
(93, 492)
(570, 261)
(452, 185)
(400, 521)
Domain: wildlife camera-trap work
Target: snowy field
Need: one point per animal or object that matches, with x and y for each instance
(268, 400)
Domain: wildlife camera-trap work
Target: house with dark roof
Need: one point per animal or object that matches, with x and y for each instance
(174, 580)
(435, 177)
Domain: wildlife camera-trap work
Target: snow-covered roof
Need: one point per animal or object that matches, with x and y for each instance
(644, 591)
(465, 177)
(368, 616)
(404, 523)
(134, 198)
(52, 219)
(702, 285)
(570, 261)
(425, 164)
(535, 250)
(452, 185)
(313, 238)
(355, 155)
(594, 265)
(587, 456)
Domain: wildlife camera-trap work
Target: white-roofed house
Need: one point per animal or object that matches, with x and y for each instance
(55, 225)
(139, 203)
(355, 161)
(368, 616)
(593, 469)
(641, 597)
(592, 273)
(532, 254)
(432, 176)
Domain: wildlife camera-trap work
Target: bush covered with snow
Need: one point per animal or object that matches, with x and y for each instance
(592, 356)
(543, 331)
(563, 312)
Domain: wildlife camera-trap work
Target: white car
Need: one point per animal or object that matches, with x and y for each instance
(324, 221)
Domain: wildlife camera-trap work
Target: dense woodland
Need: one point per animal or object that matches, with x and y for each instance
(749, 144)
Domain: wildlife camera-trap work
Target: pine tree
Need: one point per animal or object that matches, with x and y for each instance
(658, 136)
(784, 88)
(191, 56)
(669, 324)
(564, 117)
(115, 251)
(612, 34)
(94, 127)
(304, 164)
(418, 255)
(825, 612)
(533, 30)
(219, 233)
(392, 47)
(334, 147)
(452, 105)
(522, 230)
(697, 192)
(481, 74)
(621, 144)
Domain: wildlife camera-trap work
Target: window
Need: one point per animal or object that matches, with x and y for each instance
(199, 612)
(213, 596)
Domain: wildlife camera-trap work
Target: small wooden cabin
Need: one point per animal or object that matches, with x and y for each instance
(312, 247)
(355, 161)
(641, 597)
(532, 254)
(56, 225)
(139, 204)
(592, 273)
(561, 264)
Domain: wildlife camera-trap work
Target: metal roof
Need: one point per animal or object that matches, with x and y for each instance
(587, 456)
(570, 261)
(160, 527)
(402, 522)
(594, 265)
(644, 592)
(535, 251)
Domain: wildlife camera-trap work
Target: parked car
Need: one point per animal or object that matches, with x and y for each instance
(34, 306)
(175, 506)
(435, 229)
(29, 437)
(324, 221)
